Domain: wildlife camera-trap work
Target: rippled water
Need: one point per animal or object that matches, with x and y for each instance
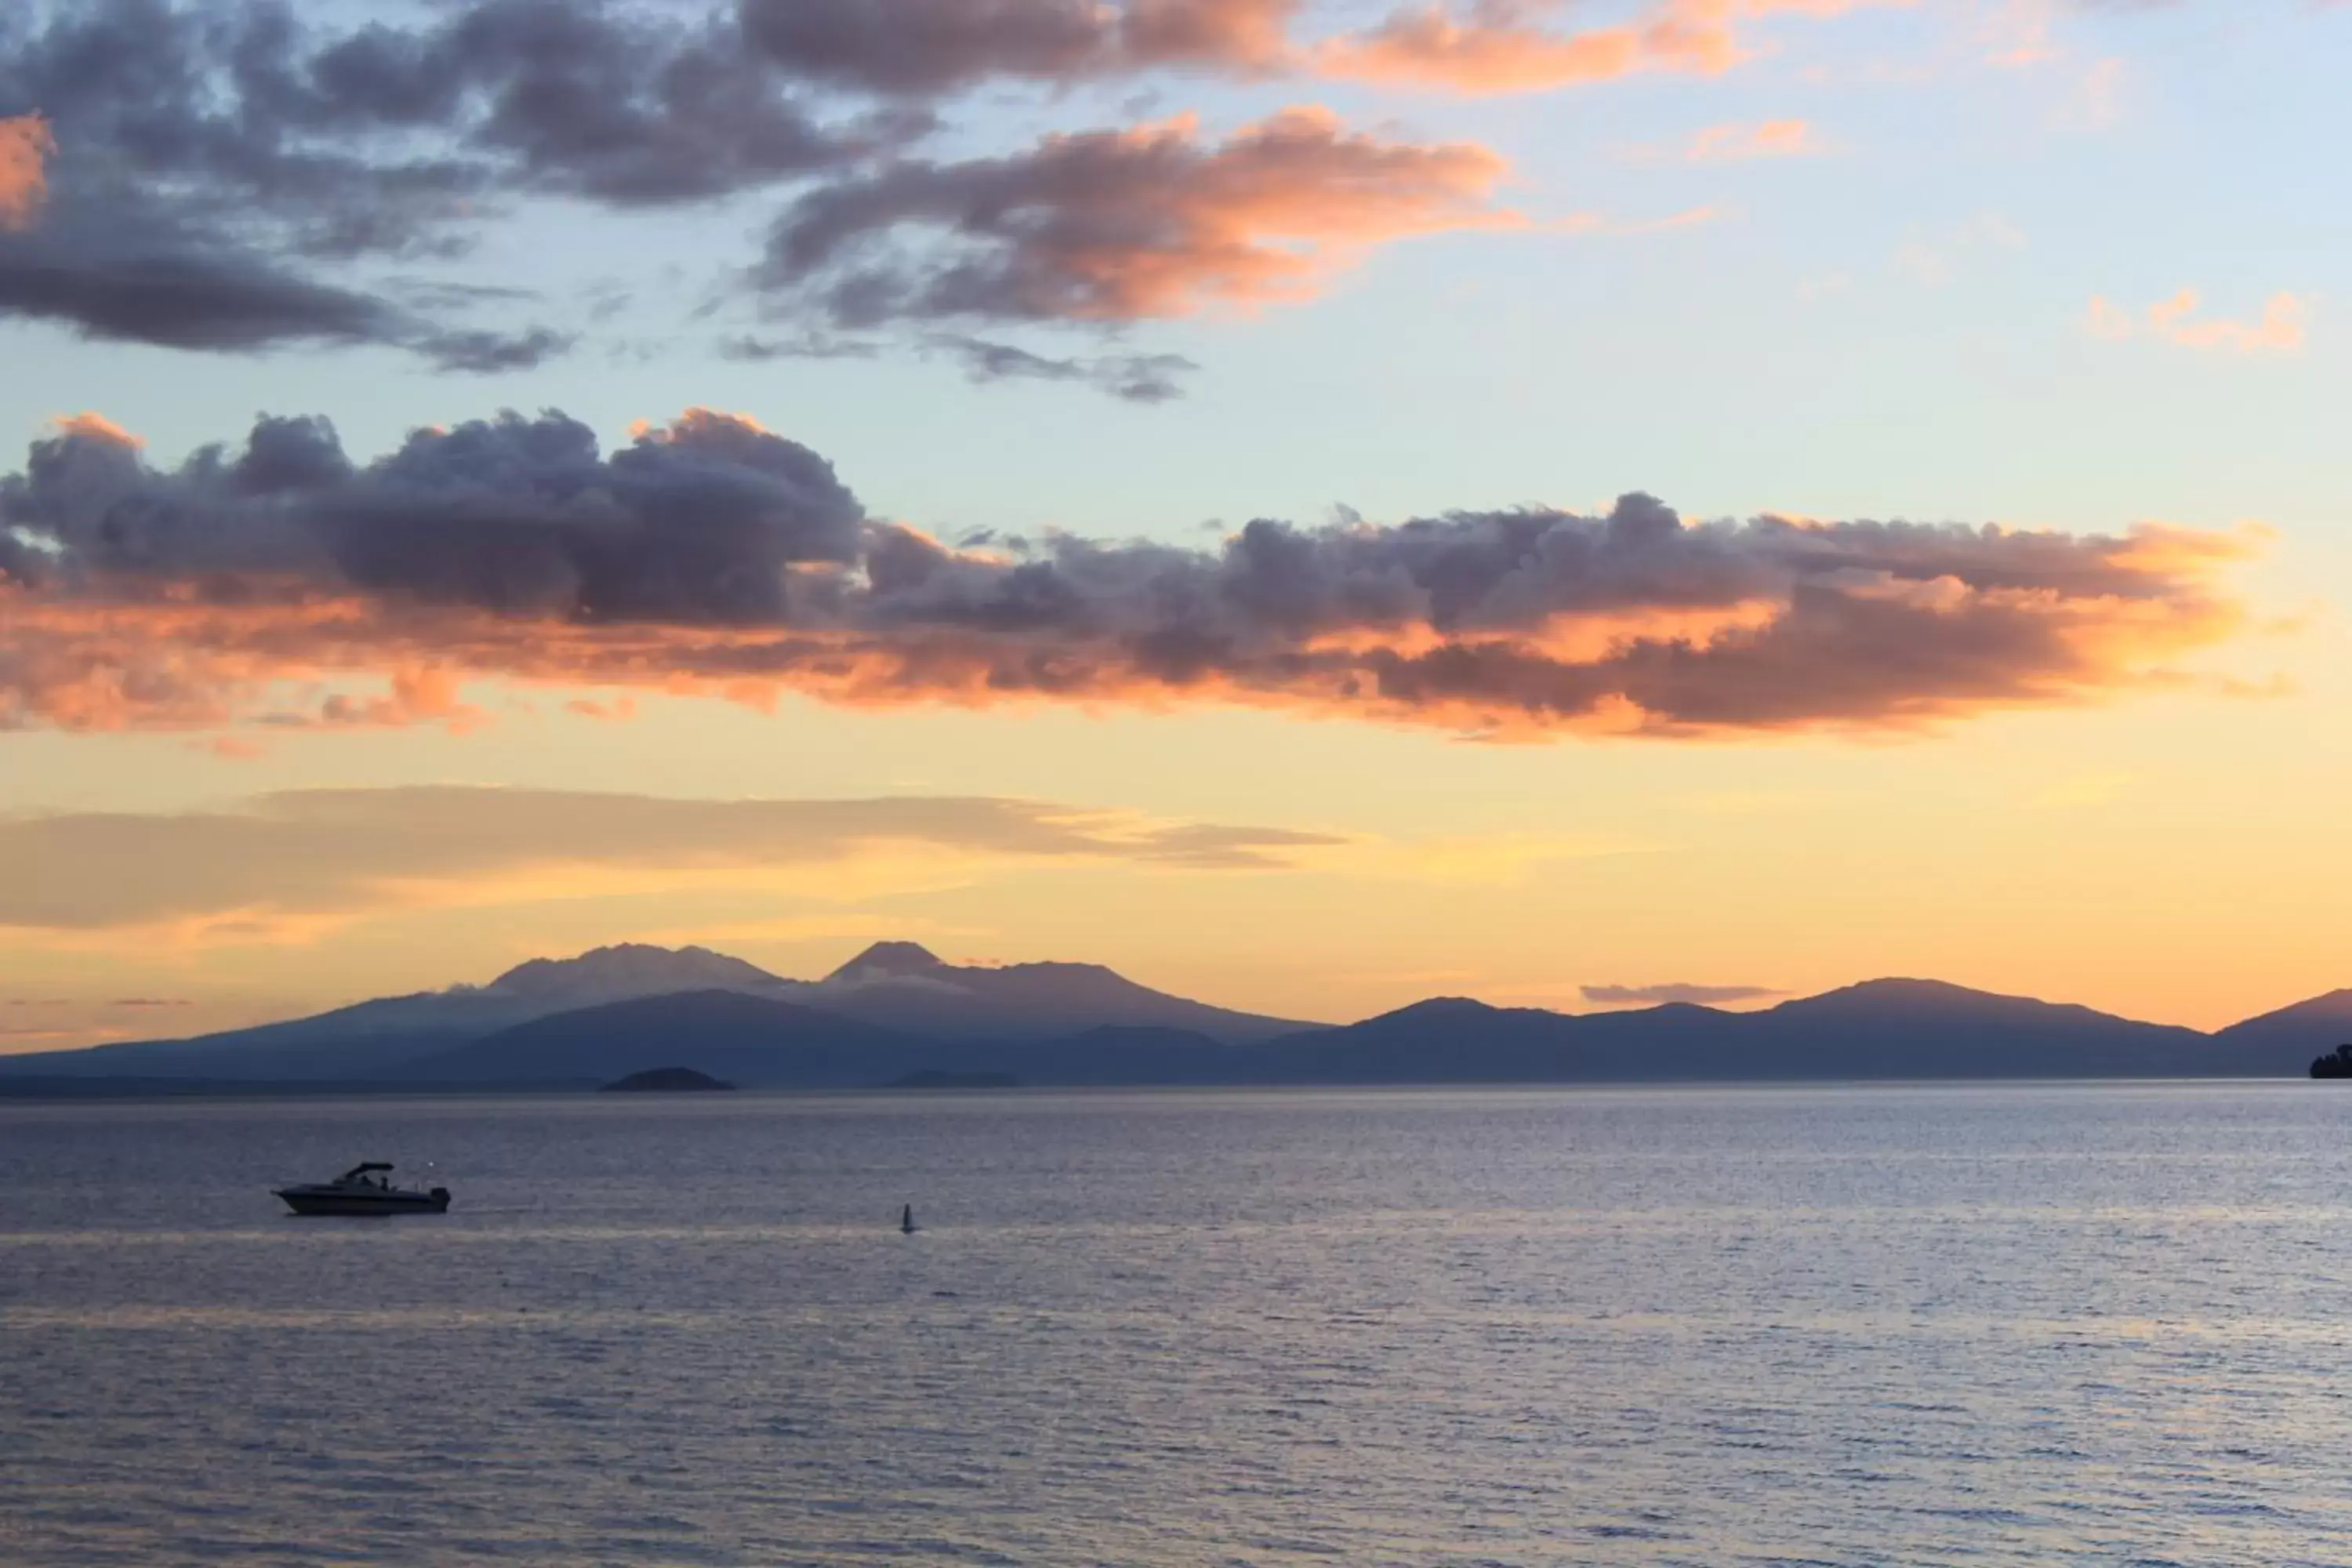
(1993, 1325)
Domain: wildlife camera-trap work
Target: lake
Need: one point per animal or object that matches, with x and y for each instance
(1920, 1324)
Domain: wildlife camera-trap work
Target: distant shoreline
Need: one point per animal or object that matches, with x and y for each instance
(85, 1090)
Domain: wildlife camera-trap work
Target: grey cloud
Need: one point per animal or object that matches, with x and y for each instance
(329, 851)
(206, 149)
(1132, 378)
(585, 101)
(1657, 995)
(177, 110)
(135, 272)
(362, 137)
(487, 352)
(931, 46)
(185, 294)
(697, 524)
(259, 138)
(747, 348)
(116, 284)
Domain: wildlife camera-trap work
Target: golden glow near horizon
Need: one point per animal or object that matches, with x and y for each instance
(1314, 871)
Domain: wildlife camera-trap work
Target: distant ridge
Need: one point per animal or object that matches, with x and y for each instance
(373, 1039)
(898, 986)
(723, 1033)
(897, 1009)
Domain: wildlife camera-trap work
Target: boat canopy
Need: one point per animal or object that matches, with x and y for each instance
(361, 1169)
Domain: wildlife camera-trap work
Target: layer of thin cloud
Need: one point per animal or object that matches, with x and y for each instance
(712, 557)
(2281, 329)
(1124, 225)
(1661, 995)
(1746, 143)
(26, 143)
(309, 859)
(1132, 378)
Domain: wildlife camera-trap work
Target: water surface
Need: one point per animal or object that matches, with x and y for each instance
(1836, 1325)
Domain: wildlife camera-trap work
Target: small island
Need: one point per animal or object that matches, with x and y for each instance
(664, 1080)
(939, 1078)
(2336, 1065)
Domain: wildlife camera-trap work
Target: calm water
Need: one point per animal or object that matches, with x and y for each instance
(2000, 1325)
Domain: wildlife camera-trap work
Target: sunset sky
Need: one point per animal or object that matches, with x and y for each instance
(1311, 504)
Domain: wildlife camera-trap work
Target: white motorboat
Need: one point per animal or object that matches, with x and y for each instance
(365, 1189)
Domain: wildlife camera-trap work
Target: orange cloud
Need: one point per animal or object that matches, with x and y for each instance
(25, 144)
(1502, 46)
(1122, 226)
(2280, 330)
(742, 582)
(97, 428)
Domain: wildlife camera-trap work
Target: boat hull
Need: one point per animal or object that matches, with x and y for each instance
(363, 1204)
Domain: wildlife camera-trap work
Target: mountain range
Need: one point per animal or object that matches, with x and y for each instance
(897, 1011)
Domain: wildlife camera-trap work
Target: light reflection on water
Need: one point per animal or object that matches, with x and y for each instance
(2005, 1325)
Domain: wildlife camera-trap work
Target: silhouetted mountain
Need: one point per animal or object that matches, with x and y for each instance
(1452, 1040)
(902, 985)
(1927, 1028)
(751, 1040)
(892, 984)
(1880, 1029)
(2293, 1034)
(896, 1008)
(1114, 1055)
(372, 1039)
(356, 1042)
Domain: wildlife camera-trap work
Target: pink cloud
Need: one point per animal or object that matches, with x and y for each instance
(1742, 143)
(26, 143)
(2281, 329)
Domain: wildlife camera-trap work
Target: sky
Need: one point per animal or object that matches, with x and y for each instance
(1313, 504)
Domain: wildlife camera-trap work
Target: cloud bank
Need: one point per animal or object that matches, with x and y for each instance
(712, 556)
(297, 860)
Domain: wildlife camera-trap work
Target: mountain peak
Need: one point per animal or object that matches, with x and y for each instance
(630, 968)
(1445, 1010)
(1902, 991)
(889, 958)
